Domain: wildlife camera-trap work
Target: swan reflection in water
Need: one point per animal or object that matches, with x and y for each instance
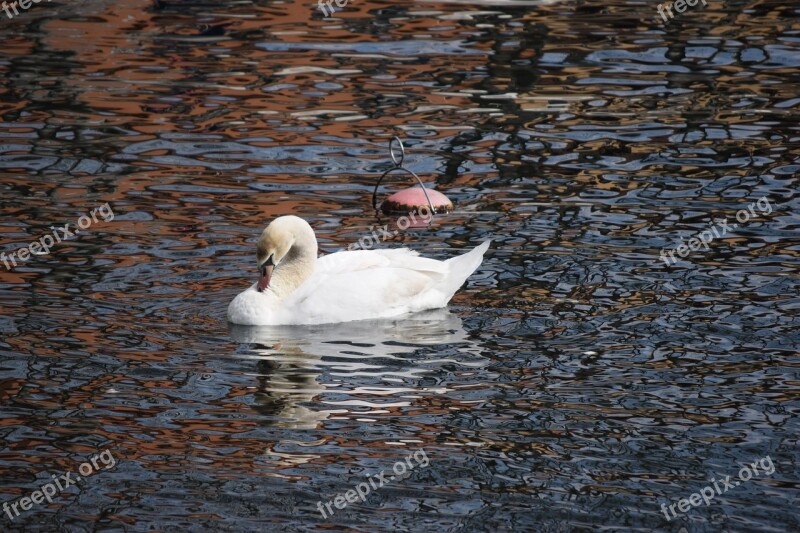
(290, 359)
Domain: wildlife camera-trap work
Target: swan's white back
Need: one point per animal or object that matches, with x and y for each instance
(358, 285)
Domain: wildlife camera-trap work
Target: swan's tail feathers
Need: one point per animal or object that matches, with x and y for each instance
(462, 267)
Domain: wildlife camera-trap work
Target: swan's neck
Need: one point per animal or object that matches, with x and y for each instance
(294, 269)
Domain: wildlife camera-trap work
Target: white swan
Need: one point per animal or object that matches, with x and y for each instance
(295, 287)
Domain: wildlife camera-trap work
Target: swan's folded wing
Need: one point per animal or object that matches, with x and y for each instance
(358, 260)
(365, 283)
(405, 258)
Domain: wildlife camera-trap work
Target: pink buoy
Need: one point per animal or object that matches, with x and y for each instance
(415, 199)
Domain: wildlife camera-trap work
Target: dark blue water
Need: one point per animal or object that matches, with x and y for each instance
(577, 381)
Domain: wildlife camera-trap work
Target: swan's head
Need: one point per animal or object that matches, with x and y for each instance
(276, 242)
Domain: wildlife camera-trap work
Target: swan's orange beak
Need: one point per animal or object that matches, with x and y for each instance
(265, 274)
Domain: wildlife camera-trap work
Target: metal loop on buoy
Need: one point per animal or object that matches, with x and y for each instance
(402, 151)
(398, 165)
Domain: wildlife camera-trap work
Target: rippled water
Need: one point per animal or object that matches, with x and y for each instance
(576, 381)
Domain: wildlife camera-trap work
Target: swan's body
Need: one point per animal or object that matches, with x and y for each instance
(297, 288)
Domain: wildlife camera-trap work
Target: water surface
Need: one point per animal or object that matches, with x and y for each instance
(576, 381)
